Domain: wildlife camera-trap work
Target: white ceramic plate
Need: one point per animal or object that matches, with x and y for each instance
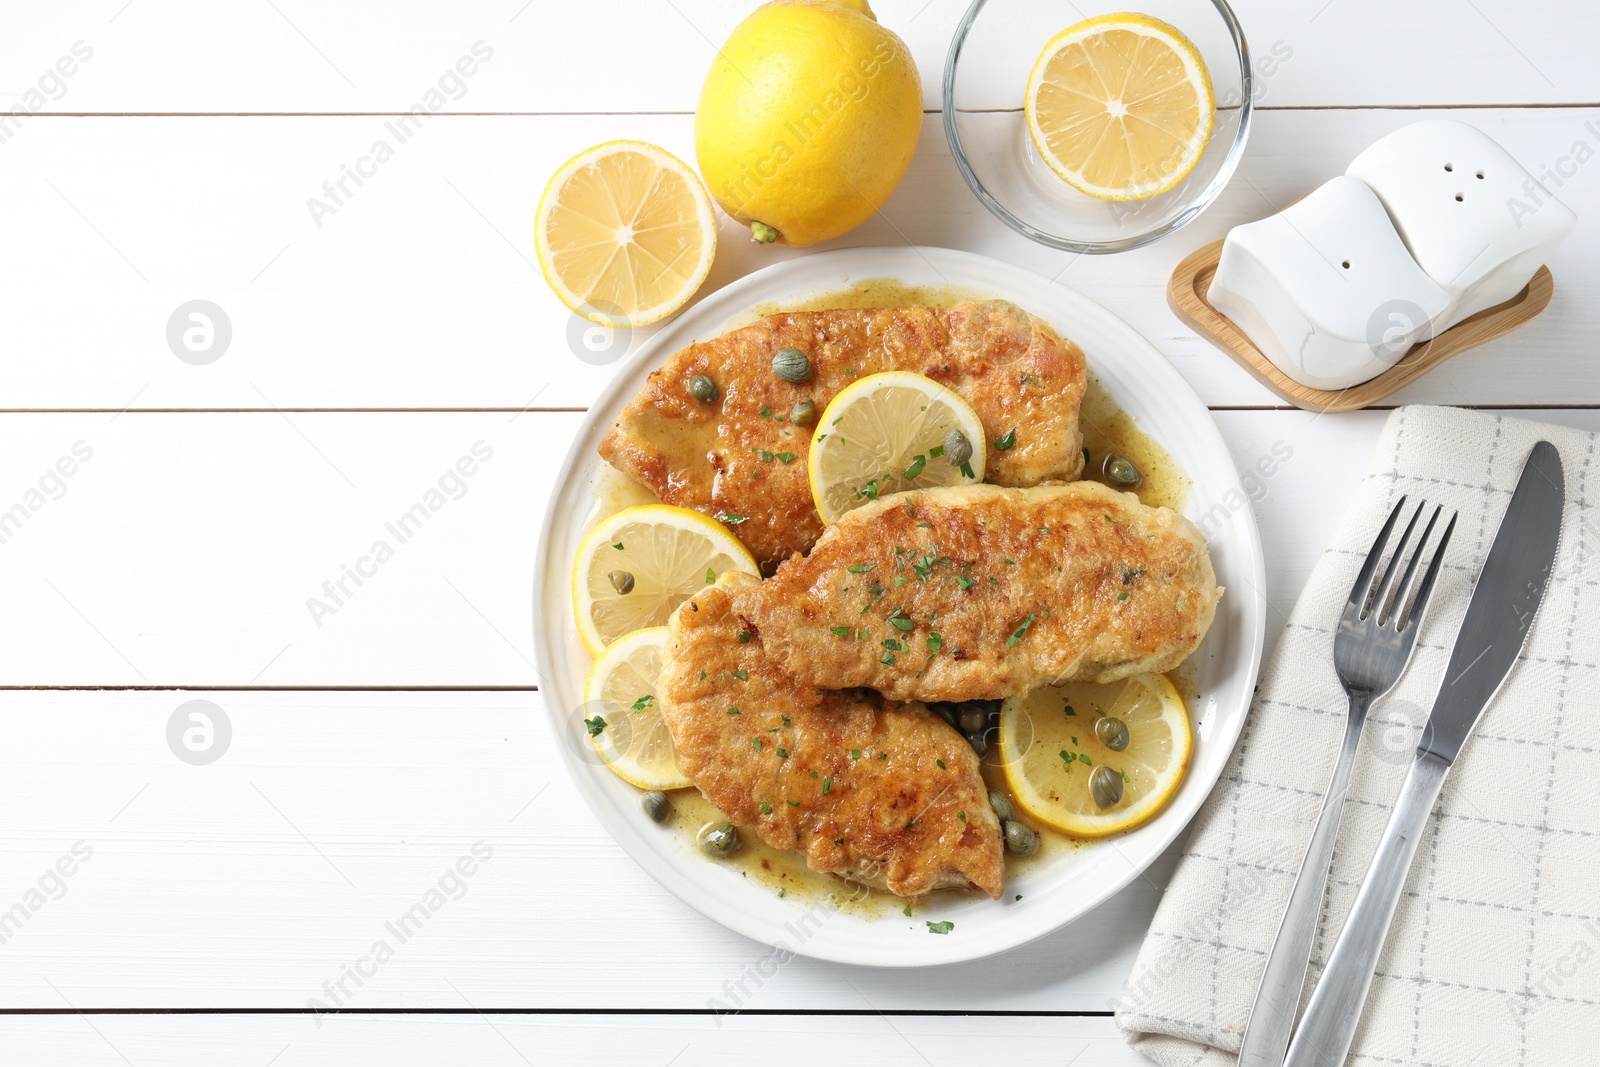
(1150, 390)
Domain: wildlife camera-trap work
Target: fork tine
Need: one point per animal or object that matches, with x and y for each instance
(1393, 568)
(1419, 606)
(1392, 607)
(1363, 583)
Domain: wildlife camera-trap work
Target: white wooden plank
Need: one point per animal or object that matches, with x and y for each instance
(613, 55)
(187, 548)
(512, 1040)
(420, 290)
(251, 881)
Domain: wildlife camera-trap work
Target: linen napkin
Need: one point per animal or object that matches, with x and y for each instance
(1494, 955)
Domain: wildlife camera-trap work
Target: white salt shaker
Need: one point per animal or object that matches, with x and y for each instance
(1326, 288)
(1473, 217)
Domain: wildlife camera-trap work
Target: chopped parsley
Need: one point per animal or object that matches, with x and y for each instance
(755, 743)
(965, 582)
(643, 702)
(734, 520)
(935, 642)
(711, 576)
(1016, 635)
(1005, 443)
(887, 657)
(783, 753)
(966, 470)
(855, 753)
(870, 490)
(908, 911)
(766, 413)
(733, 711)
(916, 467)
(743, 637)
(941, 927)
(841, 631)
(902, 624)
(595, 725)
(786, 457)
(617, 545)
(860, 568)
(743, 676)
(827, 786)
(960, 814)
(1122, 596)
(792, 803)
(766, 809)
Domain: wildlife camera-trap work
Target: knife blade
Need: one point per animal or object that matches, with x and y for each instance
(1505, 599)
(1507, 596)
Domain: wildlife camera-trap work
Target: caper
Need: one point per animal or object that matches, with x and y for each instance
(1120, 471)
(621, 581)
(702, 388)
(972, 719)
(791, 365)
(655, 805)
(1020, 841)
(978, 743)
(1002, 807)
(1105, 785)
(719, 839)
(1112, 732)
(945, 711)
(803, 413)
(957, 449)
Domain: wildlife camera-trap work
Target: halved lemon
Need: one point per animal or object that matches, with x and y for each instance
(1120, 106)
(885, 434)
(661, 554)
(1053, 744)
(625, 233)
(623, 715)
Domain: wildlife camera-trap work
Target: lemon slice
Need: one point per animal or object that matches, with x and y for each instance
(623, 716)
(885, 434)
(625, 233)
(1120, 106)
(670, 553)
(1050, 746)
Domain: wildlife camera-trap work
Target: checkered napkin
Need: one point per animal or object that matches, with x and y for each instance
(1494, 956)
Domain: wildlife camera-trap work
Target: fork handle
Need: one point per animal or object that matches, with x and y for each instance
(1329, 1027)
(1266, 1035)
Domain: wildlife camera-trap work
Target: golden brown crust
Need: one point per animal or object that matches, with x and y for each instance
(722, 458)
(985, 592)
(887, 795)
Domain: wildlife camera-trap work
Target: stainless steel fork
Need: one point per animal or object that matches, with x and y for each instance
(1374, 642)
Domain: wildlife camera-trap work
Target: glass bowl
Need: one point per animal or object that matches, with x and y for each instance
(986, 79)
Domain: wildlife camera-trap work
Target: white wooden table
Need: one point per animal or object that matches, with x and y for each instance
(219, 903)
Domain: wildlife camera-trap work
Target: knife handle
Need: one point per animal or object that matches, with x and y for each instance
(1329, 1026)
(1271, 1024)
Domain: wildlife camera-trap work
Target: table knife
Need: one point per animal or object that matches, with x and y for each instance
(1504, 601)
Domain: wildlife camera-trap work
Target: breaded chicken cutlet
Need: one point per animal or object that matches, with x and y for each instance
(981, 592)
(885, 794)
(741, 454)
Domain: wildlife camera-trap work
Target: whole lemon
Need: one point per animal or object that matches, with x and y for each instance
(808, 119)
